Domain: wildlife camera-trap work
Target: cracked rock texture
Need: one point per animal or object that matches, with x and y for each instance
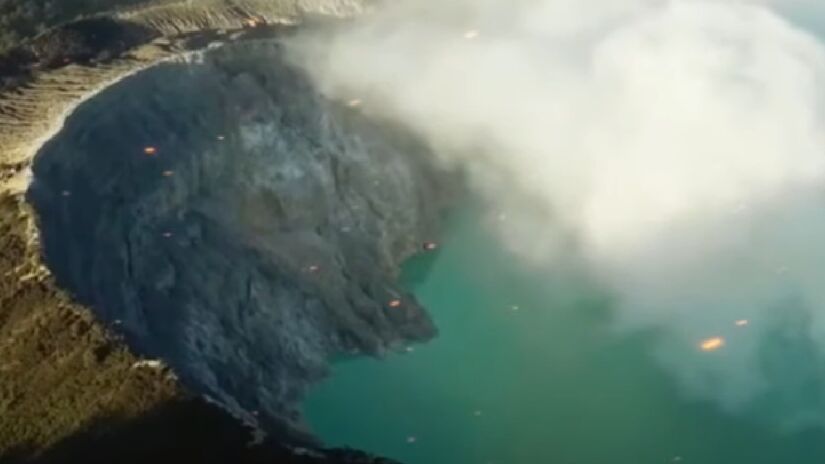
(226, 218)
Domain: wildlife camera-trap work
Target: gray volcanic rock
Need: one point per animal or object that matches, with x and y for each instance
(226, 218)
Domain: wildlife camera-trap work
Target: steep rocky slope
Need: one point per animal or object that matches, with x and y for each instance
(211, 209)
(70, 390)
(231, 221)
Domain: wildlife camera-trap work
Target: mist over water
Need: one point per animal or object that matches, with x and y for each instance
(528, 370)
(674, 150)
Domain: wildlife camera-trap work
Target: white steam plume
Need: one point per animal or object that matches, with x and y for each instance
(681, 143)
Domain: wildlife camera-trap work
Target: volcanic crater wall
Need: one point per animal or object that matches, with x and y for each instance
(223, 216)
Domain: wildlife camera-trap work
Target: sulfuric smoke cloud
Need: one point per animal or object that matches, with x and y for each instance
(679, 143)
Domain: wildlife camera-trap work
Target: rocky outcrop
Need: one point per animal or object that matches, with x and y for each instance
(35, 101)
(40, 84)
(231, 221)
(71, 392)
(262, 236)
(210, 206)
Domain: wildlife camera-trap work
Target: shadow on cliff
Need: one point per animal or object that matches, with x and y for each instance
(178, 431)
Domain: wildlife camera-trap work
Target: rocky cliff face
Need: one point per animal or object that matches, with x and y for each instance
(224, 217)
(40, 81)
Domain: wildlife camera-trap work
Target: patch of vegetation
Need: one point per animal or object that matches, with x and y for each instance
(60, 370)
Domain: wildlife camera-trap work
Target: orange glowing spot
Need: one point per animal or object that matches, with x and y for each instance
(151, 151)
(742, 322)
(394, 303)
(712, 344)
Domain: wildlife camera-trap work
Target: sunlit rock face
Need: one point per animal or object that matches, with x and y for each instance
(226, 218)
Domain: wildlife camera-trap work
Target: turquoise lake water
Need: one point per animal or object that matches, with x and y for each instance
(547, 382)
